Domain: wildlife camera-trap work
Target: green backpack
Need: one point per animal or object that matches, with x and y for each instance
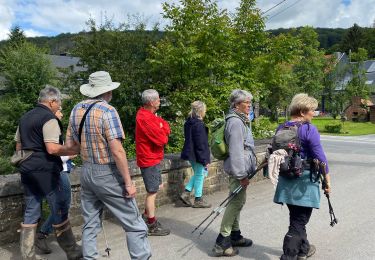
(219, 148)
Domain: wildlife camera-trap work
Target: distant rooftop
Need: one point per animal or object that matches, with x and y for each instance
(63, 61)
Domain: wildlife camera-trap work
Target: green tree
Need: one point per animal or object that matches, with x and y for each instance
(353, 39)
(207, 52)
(193, 60)
(16, 36)
(26, 70)
(249, 43)
(275, 71)
(357, 86)
(123, 53)
(333, 98)
(309, 70)
(369, 42)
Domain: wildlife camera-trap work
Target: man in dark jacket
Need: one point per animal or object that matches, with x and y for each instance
(196, 151)
(39, 133)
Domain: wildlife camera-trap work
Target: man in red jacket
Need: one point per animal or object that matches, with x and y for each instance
(151, 135)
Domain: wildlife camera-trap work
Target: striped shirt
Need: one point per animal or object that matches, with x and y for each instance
(102, 125)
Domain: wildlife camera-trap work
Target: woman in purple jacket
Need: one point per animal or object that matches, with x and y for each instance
(301, 194)
(196, 151)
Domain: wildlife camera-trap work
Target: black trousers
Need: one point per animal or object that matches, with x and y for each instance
(295, 241)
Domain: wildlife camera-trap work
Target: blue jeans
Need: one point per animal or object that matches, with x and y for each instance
(66, 197)
(197, 180)
(56, 202)
(103, 185)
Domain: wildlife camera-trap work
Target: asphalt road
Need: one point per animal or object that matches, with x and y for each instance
(352, 168)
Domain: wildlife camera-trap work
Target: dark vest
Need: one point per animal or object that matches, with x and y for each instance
(41, 170)
(31, 128)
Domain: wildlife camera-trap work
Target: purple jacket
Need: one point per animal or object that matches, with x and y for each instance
(310, 142)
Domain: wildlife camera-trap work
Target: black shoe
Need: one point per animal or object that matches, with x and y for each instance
(238, 240)
(156, 229)
(223, 247)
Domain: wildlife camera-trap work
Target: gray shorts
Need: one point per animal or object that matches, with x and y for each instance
(152, 178)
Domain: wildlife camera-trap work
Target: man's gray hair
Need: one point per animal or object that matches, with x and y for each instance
(49, 93)
(149, 95)
(237, 96)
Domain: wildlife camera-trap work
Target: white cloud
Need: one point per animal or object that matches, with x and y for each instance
(70, 16)
(32, 33)
(57, 16)
(6, 19)
(319, 13)
(316, 13)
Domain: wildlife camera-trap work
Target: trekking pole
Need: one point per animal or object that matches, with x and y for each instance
(217, 211)
(105, 238)
(323, 169)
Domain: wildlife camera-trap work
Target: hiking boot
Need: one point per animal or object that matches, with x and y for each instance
(220, 251)
(223, 247)
(238, 240)
(311, 251)
(144, 217)
(27, 240)
(185, 198)
(41, 244)
(156, 229)
(201, 203)
(66, 240)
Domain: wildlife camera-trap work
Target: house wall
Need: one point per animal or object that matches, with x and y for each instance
(356, 112)
(372, 114)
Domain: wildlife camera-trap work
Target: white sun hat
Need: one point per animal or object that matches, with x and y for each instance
(100, 82)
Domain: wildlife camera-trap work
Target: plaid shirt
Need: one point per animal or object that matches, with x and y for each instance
(102, 125)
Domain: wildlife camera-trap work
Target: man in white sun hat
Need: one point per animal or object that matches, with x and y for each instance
(105, 178)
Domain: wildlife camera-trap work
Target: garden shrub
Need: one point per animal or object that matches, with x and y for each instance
(333, 128)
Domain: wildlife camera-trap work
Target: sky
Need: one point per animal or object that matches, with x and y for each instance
(52, 17)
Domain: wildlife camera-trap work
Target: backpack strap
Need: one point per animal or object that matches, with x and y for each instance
(234, 115)
(83, 120)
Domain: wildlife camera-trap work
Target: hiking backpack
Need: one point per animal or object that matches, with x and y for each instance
(287, 138)
(219, 148)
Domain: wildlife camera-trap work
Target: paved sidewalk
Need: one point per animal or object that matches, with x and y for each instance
(180, 243)
(351, 162)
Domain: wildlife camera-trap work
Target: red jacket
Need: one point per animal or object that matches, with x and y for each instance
(151, 134)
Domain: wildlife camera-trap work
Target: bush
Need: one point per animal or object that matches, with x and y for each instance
(176, 139)
(263, 128)
(333, 128)
(5, 166)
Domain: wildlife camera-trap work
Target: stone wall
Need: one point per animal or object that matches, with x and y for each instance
(175, 174)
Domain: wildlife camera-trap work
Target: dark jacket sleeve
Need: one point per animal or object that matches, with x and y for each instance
(200, 143)
(187, 150)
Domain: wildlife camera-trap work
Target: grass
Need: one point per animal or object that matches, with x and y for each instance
(348, 128)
